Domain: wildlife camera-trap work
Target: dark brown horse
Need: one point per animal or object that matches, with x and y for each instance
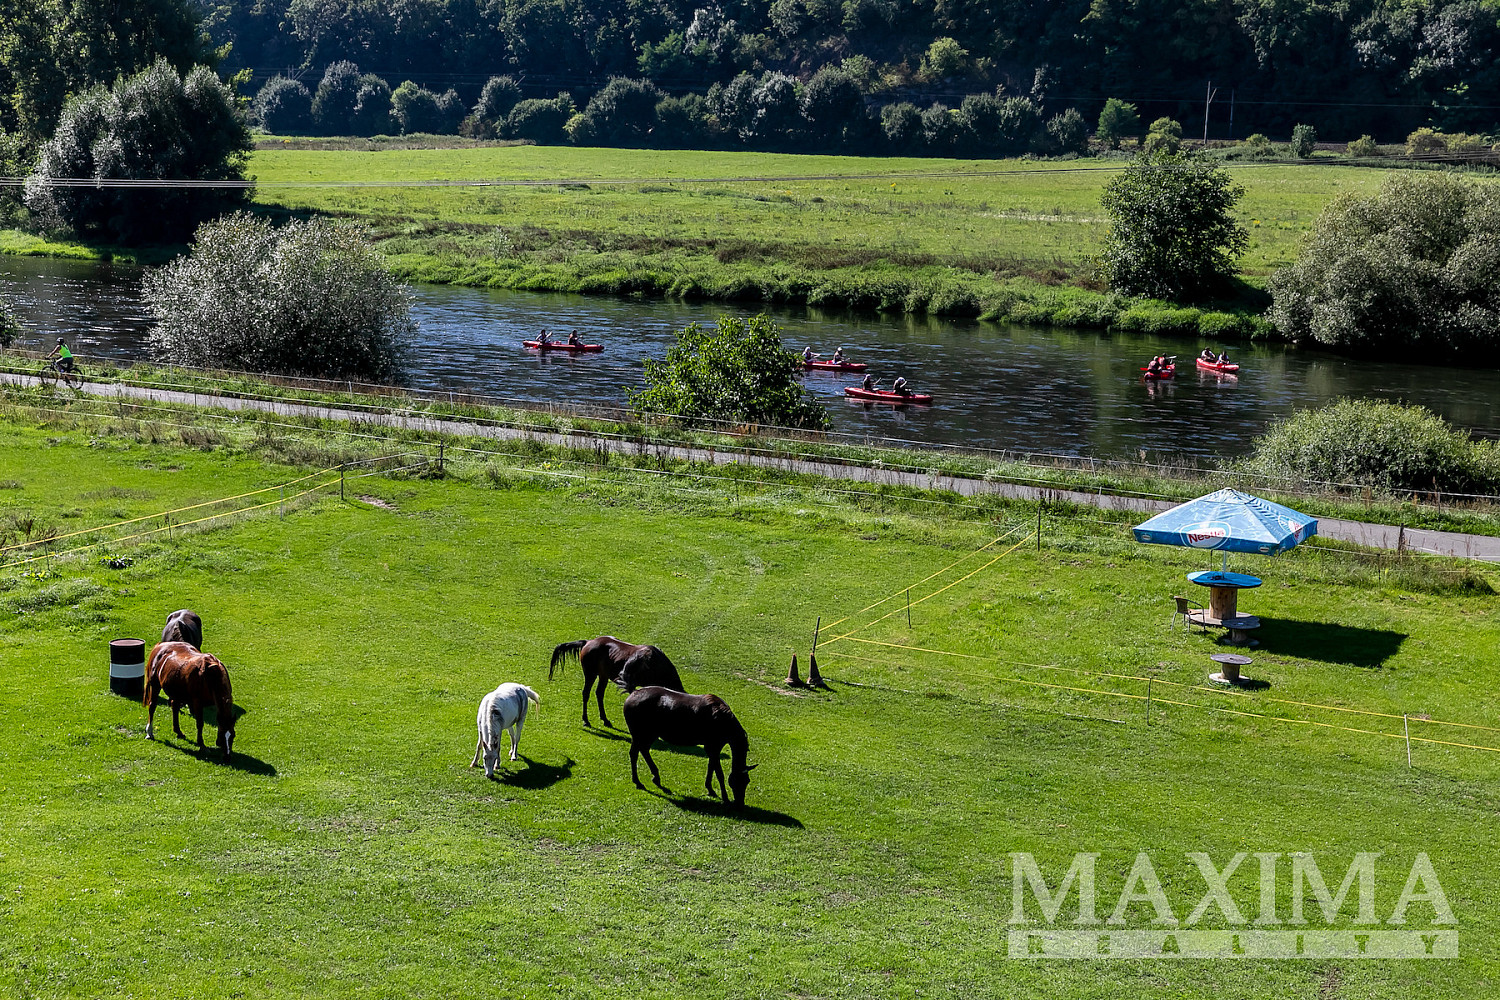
(184, 626)
(188, 677)
(608, 659)
(658, 713)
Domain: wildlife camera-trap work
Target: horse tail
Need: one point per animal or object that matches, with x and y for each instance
(561, 653)
(150, 665)
(532, 697)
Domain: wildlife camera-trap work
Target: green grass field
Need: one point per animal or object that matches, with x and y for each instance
(1013, 239)
(349, 850)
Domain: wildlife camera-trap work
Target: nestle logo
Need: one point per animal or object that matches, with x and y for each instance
(1207, 535)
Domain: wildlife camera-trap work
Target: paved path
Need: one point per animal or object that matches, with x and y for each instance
(1378, 536)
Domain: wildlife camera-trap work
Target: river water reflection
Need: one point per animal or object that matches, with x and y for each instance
(995, 386)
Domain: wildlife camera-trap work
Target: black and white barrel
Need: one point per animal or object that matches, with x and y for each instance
(127, 667)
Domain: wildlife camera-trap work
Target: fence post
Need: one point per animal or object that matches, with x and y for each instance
(1039, 524)
(1406, 729)
(908, 608)
(341, 480)
(1148, 701)
(440, 458)
(281, 510)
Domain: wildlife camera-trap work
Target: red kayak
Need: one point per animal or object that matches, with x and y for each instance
(563, 345)
(836, 366)
(1215, 366)
(886, 396)
(1167, 371)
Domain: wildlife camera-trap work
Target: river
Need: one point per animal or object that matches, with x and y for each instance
(1018, 388)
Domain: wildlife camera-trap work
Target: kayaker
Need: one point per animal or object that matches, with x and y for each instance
(807, 354)
(1207, 355)
(1223, 357)
(573, 339)
(869, 383)
(1153, 367)
(899, 387)
(838, 355)
(541, 340)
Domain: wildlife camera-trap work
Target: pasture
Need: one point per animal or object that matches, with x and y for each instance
(349, 850)
(888, 232)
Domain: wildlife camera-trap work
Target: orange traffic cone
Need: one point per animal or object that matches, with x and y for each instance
(792, 678)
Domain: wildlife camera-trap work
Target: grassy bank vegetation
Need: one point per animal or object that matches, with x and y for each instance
(1011, 240)
(350, 843)
(1313, 494)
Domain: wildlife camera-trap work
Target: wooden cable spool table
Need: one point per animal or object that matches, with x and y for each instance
(1223, 594)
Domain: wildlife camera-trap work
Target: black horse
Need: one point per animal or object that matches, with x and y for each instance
(184, 626)
(608, 659)
(657, 713)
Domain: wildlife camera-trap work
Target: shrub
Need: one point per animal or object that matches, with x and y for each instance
(1377, 443)
(1304, 141)
(1413, 269)
(10, 326)
(1118, 120)
(945, 57)
(1363, 148)
(902, 125)
(832, 104)
(622, 113)
(284, 106)
(154, 125)
(1165, 135)
(1069, 132)
(372, 107)
(1172, 230)
(310, 298)
(738, 370)
(417, 109)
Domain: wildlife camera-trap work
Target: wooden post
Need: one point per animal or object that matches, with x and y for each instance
(1039, 524)
(908, 607)
(341, 481)
(440, 458)
(816, 629)
(1148, 701)
(1406, 728)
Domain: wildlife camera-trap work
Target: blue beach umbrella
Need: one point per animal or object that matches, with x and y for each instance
(1229, 521)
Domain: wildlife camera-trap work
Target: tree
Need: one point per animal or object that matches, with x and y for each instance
(1117, 121)
(778, 108)
(310, 298)
(1411, 270)
(682, 122)
(1020, 125)
(1165, 135)
(1172, 231)
(1363, 148)
(284, 107)
(155, 125)
(622, 113)
(372, 107)
(941, 130)
(499, 96)
(417, 109)
(1304, 141)
(902, 125)
(10, 326)
(833, 105)
(540, 121)
(337, 97)
(944, 58)
(1069, 132)
(736, 371)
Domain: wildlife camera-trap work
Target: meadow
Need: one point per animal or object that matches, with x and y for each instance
(349, 850)
(1009, 239)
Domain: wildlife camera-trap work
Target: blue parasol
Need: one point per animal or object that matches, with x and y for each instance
(1229, 521)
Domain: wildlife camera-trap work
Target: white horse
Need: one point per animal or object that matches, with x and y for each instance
(502, 709)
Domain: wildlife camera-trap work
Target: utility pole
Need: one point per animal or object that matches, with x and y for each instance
(1208, 98)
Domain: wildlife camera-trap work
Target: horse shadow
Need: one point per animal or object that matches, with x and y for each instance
(727, 810)
(1360, 647)
(658, 745)
(238, 760)
(535, 775)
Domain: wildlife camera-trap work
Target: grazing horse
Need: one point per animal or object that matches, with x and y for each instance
(196, 679)
(502, 710)
(184, 626)
(654, 713)
(608, 659)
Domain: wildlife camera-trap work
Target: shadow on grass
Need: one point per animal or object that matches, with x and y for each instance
(238, 760)
(536, 775)
(1359, 647)
(658, 745)
(717, 807)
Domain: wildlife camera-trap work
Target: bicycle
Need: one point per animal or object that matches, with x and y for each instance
(52, 372)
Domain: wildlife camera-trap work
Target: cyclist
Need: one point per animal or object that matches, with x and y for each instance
(65, 364)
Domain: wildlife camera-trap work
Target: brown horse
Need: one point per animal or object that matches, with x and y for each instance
(656, 713)
(188, 677)
(608, 659)
(184, 626)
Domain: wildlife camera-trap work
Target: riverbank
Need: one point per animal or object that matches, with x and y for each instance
(1004, 240)
(577, 435)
